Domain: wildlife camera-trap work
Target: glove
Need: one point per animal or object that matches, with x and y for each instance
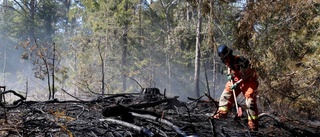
(229, 77)
(234, 86)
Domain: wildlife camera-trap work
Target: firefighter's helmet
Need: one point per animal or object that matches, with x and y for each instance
(224, 51)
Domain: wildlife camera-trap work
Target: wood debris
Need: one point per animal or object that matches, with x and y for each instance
(149, 113)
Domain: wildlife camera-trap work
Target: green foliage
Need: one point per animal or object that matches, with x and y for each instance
(123, 12)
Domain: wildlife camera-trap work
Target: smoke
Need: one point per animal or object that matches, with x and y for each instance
(181, 82)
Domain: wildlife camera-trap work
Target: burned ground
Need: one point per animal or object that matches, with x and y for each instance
(134, 115)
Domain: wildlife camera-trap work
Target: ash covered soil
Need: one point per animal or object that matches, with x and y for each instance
(137, 115)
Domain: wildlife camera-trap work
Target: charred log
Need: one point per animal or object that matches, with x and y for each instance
(16, 103)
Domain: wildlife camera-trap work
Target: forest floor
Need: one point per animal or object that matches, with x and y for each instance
(136, 115)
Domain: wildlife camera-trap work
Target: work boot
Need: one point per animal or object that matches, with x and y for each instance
(220, 115)
(253, 125)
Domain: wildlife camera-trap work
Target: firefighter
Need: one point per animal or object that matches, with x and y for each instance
(241, 78)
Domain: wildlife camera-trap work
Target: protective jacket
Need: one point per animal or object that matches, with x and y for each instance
(240, 68)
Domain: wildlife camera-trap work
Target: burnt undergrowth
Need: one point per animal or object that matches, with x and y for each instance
(149, 113)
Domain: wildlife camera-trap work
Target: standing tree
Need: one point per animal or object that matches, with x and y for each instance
(198, 50)
(43, 56)
(33, 25)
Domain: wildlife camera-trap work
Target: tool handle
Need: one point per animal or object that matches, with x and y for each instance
(234, 95)
(235, 99)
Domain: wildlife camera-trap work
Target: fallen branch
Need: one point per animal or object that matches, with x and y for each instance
(16, 103)
(163, 121)
(139, 129)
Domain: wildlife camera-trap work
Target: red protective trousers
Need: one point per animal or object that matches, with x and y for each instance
(248, 88)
